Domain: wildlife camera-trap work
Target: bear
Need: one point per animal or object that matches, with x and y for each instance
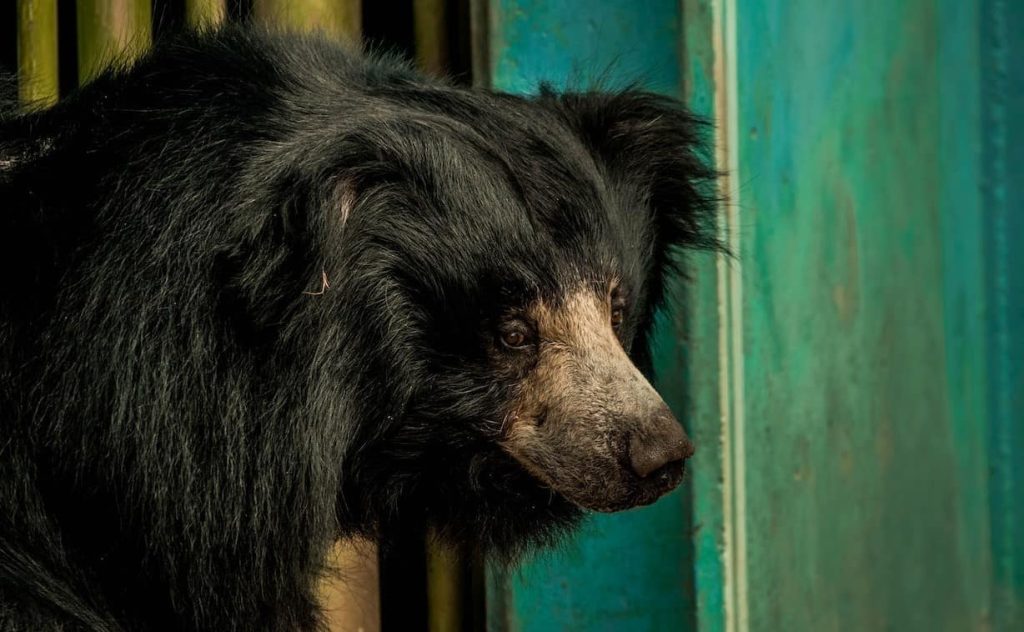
(260, 291)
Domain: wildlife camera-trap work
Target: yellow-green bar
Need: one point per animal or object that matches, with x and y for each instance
(349, 591)
(446, 585)
(431, 35)
(338, 18)
(205, 13)
(445, 588)
(37, 52)
(111, 31)
(350, 596)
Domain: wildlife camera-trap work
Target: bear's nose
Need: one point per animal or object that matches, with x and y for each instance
(661, 442)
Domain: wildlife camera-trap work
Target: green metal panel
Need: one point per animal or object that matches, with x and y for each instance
(870, 329)
(960, 204)
(701, 67)
(1001, 131)
(576, 41)
(857, 512)
(629, 571)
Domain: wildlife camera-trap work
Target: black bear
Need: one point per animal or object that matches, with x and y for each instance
(258, 292)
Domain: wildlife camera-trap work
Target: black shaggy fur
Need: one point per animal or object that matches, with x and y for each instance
(243, 289)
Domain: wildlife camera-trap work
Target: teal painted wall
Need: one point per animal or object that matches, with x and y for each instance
(878, 204)
(861, 481)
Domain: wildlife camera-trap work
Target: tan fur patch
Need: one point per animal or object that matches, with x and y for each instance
(570, 423)
(581, 323)
(577, 343)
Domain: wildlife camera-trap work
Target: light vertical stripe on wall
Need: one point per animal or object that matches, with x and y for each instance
(730, 292)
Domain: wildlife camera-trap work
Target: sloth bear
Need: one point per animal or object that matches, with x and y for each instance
(259, 292)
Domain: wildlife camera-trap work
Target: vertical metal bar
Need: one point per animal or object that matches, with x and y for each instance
(730, 279)
(1002, 207)
(37, 52)
(350, 595)
(430, 24)
(480, 41)
(111, 31)
(445, 588)
(708, 366)
(205, 13)
(338, 18)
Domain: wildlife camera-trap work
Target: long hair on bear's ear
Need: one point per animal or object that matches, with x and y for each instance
(275, 257)
(652, 144)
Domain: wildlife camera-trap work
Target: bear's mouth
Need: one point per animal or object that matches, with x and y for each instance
(658, 483)
(636, 492)
(616, 488)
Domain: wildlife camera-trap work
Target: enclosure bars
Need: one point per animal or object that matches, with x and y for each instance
(37, 52)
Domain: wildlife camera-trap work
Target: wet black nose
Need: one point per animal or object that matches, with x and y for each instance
(658, 444)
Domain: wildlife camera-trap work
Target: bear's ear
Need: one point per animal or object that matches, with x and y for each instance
(653, 147)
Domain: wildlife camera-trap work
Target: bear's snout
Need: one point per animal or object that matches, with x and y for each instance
(663, 445)
(587, 422)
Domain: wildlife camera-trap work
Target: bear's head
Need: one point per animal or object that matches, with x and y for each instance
(507, 256)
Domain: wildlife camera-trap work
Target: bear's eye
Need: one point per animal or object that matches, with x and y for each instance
(618, 306)
(516, 335)
(618, 315)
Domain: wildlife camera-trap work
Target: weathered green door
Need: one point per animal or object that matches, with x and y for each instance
(853, 376)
